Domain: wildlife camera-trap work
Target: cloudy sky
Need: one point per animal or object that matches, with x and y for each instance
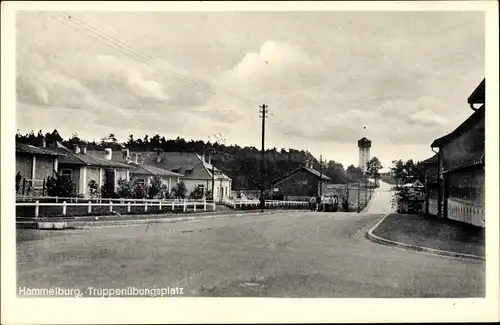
(399, 78)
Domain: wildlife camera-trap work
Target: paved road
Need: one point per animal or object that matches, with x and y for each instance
(289, 254)
(381, 200)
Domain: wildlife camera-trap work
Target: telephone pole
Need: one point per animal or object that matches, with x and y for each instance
(263, 111)
(320, 175)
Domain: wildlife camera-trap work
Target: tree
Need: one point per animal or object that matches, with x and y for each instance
(373, 168)
(179, 191)
(125, 189)
(155, 187)
(354, 173)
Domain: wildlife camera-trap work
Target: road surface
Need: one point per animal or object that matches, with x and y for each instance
(381, 201)
(285, 254)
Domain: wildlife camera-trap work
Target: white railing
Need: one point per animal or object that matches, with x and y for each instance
(162, 206)
(466, 212)
(57, 199)
(238, 204)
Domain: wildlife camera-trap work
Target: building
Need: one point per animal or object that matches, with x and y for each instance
(196, 171)
(364, 146)
(34, 165)
(431, 185)
(461, 166)
(301, 183)
(145, 173)
(82, 167)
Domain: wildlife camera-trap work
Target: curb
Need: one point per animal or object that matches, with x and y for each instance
(371, 236)
(87, 224)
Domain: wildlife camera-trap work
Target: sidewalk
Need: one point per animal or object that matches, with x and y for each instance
(430, 233)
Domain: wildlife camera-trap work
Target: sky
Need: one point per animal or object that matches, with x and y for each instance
(329, 78)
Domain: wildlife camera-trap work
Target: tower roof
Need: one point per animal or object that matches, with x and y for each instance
(364, 143)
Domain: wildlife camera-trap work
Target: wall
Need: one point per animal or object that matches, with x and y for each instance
(467, 185)
(93, 173)
(192, 183)
(120, 173)
(465, 147)
(24, 164)
(364, 157)
(301, 183)
(44, 167)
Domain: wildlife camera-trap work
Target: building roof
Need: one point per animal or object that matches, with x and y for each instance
(477, 96)
(431, 160)
(37, 151)
(87, 159)
(364, 143)
(304, 168)
(465, 126)
(188, 164)
(139, 169)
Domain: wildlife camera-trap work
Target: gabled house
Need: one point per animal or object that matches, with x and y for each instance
(461, 166)
(82, 168)
(302, 182)
(189, 167)
(35, 164)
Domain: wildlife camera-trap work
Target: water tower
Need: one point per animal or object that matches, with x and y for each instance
(364, 146)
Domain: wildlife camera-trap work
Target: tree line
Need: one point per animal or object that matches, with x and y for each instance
(242, 164)
(404, 172)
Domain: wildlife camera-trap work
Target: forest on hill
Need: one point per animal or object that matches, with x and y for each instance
(242, 164)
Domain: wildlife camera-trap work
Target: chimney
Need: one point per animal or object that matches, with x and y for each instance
(84, 149)
(108, 153)
(125, 154)
(76, 149)
(135, 156)
(209, 158)
(203, 158)
(159, 157)
(43, 142)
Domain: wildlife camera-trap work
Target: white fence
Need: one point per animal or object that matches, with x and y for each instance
(239, 204)
(465, 211)
(162, 206)
(57, 199)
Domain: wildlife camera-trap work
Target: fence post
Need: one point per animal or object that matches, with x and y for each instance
(204, 205)
(37, 209)
(64, 208)
(57, 199)
(213, 204)
(43, 187)
(173, 205)
(110, 206)
(184, 206)
(194, 206)
(89, 209)
(160, 206)
(128, 206)
(145, 206)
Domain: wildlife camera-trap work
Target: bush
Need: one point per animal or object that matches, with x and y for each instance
(125, 189)
(197, 193)
(179, 191)
(93, 187)
(60, 186)
(155, 188)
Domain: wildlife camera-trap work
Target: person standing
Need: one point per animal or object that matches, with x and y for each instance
(312, 203)
(318, 203)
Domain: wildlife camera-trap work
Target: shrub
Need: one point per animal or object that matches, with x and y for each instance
(155, 188)
(179, 191)
(125, 189)
(60, 186)
(93, 187)
(197, 193)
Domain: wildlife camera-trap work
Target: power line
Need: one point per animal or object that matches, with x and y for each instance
(124, 48)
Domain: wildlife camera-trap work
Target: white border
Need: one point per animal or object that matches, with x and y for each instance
(223, 310)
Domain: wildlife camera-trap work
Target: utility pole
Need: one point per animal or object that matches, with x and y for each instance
(263, 112)
(213, 176)
(320, 175)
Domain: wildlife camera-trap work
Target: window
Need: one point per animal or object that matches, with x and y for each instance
(141, 181)
(67, 173)
(188, 171)
(201, 187)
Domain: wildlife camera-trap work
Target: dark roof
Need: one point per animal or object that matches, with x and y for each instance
(431, 160)
(309, 170)
(364, 142)
(465, 126)
(189, 164)
(475, 160)
(477, 96)
(151, 170)
(39, 151)
(87, 159)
